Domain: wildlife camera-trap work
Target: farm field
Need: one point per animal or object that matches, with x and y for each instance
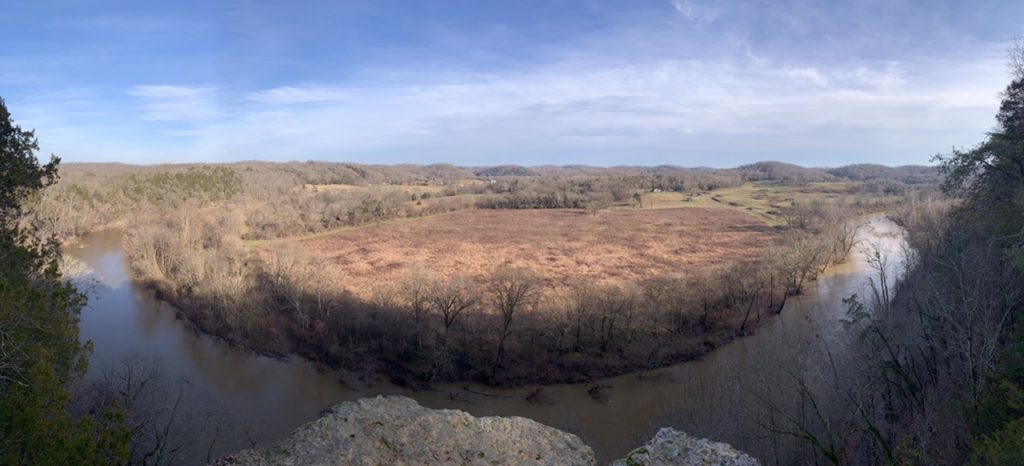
(761, 200)
(562, 246)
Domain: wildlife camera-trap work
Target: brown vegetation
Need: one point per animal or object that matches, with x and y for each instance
(343, 275)
(561, 246)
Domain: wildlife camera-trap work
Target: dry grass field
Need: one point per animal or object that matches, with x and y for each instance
(761, 200)
(560, 245)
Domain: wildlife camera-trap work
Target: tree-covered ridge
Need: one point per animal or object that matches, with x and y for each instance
(204, 183)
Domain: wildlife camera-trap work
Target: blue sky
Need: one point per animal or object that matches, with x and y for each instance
(686, 82)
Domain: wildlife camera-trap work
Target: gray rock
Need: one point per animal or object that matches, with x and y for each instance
(396, 430)
(672, 447)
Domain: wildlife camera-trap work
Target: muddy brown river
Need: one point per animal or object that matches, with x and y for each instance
(259, 400)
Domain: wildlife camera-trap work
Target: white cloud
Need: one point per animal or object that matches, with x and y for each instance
(694, 11)
(177, 103)
(806, 75)
(299, 95)
(577, 106)
(679, 76)
(650, 105)
(889, 77)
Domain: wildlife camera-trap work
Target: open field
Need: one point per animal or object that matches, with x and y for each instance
(562, 246)
(761, 200)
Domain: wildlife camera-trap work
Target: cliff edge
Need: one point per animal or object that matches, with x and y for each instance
(396, 430)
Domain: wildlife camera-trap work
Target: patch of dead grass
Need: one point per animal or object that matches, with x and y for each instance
(559, 245)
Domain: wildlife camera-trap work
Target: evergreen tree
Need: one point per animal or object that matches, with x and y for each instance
(40, 355)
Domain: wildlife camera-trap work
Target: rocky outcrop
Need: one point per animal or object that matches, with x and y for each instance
(396, 430)
(672, 447)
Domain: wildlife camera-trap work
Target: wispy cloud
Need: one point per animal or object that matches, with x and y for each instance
(568, 105)
(177, 103)
(810, 75)
(640, 82)
(695, 11)
(299, 95)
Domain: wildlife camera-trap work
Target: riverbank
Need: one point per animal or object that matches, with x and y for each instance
(401, 373)
(577, 334)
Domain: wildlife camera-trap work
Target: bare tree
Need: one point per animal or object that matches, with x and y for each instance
(1016, 60)
(560, 322)
(614, 304)
(798, 215)
(800, 259)
(286, 269)
(841, 230)
(580, 303)
(666, 297)
(450, 298)
(385, 295)
(161, 413)
(878, 259)
(512, 290)
(415, 289)
(745, 284)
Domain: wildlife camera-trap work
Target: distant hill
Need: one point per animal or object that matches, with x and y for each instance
(314, 172)
(780, 171)
(504, 170)
(909, 174)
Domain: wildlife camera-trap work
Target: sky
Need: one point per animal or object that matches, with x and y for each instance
(479, 82)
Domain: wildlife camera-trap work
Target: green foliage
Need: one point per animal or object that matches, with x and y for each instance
(1000, 426)
(202, 183)
(533, 201)
(990, 177)
(1003, 447)
(20, 173)
(40, 355)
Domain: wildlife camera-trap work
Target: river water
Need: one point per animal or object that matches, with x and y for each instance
(258, 400)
